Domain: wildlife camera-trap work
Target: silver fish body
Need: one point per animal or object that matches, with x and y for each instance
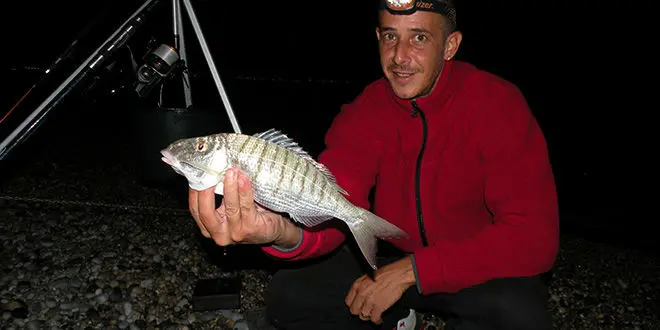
(284, 178)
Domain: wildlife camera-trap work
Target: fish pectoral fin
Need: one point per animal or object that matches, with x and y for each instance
(311, 221)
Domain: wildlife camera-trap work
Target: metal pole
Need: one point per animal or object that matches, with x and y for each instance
(180, 45)
(214, 71)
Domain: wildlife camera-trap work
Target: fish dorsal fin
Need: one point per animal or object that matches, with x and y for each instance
(275, 136)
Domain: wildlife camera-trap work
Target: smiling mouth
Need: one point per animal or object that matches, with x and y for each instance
(403, 74)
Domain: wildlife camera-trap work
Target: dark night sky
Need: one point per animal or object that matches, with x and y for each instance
(583, 66)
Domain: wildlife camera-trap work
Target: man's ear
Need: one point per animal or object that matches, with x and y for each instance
(452, 43)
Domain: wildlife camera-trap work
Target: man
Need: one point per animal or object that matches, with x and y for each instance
(457, 161)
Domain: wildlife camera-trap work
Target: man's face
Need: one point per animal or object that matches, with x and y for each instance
(412, 51)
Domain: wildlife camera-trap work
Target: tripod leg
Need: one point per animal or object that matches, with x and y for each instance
(214, 71)
(179, 43)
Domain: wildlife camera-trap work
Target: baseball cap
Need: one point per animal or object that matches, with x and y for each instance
(406, 7)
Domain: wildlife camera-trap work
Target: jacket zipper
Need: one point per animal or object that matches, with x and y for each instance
(418, 198)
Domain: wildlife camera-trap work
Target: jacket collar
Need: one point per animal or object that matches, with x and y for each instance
(447, 85)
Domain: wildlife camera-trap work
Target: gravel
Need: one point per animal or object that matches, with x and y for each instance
(86, 245)
(77, 269)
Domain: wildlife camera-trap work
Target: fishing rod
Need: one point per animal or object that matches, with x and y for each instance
(120, 36)
(96, 59)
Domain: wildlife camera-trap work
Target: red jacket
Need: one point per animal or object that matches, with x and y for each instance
(487, 190)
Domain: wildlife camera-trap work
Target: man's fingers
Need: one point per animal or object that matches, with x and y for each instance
(231, 199)
(193, 203)
(246, 195)
(357, 302)
(193, 206)
(362, 305)
(221, 213)
(206, 209)
(365, 311)
(376, 316)
(365, 314)
(356, 306)
(350, 297)
(352, 293)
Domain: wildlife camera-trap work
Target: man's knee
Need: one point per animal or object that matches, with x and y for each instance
(311, 290)
(520, 303)
(281, 297)
(517, 303)
(293, 303)
(523, 306)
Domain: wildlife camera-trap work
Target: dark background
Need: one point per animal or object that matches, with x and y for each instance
(587, 68)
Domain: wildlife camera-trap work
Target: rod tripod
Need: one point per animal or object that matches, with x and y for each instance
(103, 53)
(179, 41)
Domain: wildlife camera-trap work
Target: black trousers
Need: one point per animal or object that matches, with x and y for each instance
(310, 295)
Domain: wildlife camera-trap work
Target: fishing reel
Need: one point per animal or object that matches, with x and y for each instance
(160, 63)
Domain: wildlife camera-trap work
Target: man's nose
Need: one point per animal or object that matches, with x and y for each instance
(402, 53)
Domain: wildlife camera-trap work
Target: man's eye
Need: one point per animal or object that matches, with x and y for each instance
(388, 37)
(420, 38)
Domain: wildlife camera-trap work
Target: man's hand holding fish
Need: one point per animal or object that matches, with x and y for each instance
(239, 219)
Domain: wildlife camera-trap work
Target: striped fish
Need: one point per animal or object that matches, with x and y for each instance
(284, 177)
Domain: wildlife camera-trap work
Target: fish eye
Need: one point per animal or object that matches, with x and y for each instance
(201, 146)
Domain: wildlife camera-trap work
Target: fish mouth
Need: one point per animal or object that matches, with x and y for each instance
(169, 159)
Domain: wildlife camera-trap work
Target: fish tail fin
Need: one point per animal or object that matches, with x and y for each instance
(368, 229)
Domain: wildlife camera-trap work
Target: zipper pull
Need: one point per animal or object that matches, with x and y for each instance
(415, 110)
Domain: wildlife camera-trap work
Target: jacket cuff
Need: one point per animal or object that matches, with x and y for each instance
(414, 264)
(291, 249)
(428, 271)
(291, 253)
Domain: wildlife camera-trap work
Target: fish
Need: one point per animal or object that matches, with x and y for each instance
(285, 179)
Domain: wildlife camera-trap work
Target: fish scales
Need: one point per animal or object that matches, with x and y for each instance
(284, 178)
(287, 180)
